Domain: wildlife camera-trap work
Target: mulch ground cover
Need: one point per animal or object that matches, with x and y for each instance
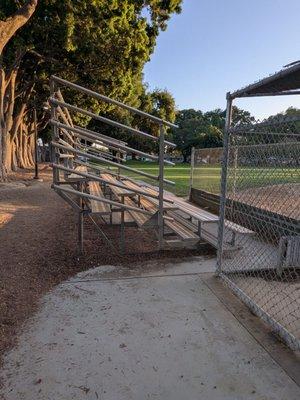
(39, 248)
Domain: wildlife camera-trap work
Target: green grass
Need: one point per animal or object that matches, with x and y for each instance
(179, 173)
(207, 177)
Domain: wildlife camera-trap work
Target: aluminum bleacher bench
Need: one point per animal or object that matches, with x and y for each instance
(76, 177)
(151, 204)
(98, 207)
(117, 191)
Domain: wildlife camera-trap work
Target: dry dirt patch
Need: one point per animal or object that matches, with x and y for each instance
(38, 248)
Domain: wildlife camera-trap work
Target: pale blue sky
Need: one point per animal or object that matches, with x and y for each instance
(215, 46)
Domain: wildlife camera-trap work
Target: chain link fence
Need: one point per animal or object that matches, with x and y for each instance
(260, 259)
(260, 254)
(206, 169)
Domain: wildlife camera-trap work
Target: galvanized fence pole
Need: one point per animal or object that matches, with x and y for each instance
(36, 166)
(222, 208)
(161, 186)
(192, 170)
(80, 219)
(53, 150)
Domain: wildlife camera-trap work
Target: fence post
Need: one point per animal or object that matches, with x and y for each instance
(161, 187)
(222, 208)
(53, 157)
(80, 218)
(192, 171)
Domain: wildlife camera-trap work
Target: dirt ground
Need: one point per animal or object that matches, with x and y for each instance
(282, 199)
(38, 248)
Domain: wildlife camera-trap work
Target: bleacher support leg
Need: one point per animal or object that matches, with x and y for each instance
(80, 221)
(161, 188)
(122, 235)
(80, 232)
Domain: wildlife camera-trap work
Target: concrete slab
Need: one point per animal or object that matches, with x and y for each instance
(146, 337)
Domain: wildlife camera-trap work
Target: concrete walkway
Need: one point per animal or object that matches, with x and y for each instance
(105, 336)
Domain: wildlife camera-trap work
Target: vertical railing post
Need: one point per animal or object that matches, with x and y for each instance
(161, 186)
(122, 228)
(54, 158)
(222, 209)
(192, 171)
(36, 166)
(80, 218)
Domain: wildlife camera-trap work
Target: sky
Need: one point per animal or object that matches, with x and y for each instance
(216, 46)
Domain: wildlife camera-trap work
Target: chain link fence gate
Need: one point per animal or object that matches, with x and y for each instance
(257, 196)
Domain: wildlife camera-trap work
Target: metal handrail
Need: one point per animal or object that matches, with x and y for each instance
(92, 135)
(101, 199)
(101, 159)
(98, 178)
(56, 104)
(108, 121)
(111, 101)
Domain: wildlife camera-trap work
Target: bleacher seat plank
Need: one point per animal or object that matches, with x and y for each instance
(155, 202)
(74, 176)
(147, 205)
(97, 206)
(138, 217)
(115, 189)
(181, 230)
(238, 228)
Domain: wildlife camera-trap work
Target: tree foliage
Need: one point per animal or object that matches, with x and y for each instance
(198, 129)
(100, 44)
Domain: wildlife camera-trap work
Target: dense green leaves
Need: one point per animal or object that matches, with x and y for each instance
(197, 129)
(100, 44)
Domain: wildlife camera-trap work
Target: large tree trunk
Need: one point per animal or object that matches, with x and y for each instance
(2, 122)
(16, 125)
(7, 87)
(7, 103)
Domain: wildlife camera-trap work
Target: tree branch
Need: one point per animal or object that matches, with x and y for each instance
(10, 26)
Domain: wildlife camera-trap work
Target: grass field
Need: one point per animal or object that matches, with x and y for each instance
(207, 177)
(180, 174)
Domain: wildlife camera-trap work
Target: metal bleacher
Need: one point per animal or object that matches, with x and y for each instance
(87, 168)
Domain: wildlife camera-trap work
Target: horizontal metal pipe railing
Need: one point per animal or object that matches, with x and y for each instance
(111, 101)
(110, 172)
(105, 120)
(76, 128)
(100, 199)
(107, 146)
(83, 132)
(102, 170)
(94, 149)
(65, 143)
(91, 149)
(93, 157)
(94, 136)
(97, 178)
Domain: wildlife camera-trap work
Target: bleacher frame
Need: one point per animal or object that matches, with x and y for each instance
(60, 110)
(83, 178)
